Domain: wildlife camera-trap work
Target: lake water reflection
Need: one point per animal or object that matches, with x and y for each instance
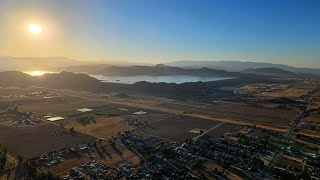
(157, 79)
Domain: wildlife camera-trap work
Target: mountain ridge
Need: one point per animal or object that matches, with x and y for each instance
(84, 82)
(57, 64)
(269, 72)
(237, 66)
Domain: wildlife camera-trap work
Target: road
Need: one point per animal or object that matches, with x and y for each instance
(147, 106)
(197, 137)
(296, 122)
(301, 115)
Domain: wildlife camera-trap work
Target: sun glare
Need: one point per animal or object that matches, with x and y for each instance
(35, 28)
(37, 73)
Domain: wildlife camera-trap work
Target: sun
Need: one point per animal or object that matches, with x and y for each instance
(37, 73)
(35, 28)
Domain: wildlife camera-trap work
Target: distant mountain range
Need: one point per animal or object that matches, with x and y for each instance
(270, 72)
(158, 70)
(237, 66)
(58, 64)
(55, 64)
(37, 63)
(164, 70)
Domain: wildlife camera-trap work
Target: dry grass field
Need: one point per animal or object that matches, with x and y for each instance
(103, 127)
(33, 141)
(241, 113)
(275, 90)
(177, 128)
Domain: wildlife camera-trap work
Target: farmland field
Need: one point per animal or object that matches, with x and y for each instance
(34, 141)
(102, 127)
(240, 112)
(177, 128)
(45, 106)
(276, 90)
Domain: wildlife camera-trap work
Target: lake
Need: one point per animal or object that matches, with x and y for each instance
(157, 79)
(153, 79)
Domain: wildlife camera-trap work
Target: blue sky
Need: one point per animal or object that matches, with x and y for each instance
(277, 31)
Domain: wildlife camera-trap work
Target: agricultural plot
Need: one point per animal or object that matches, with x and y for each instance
(295, 91)
(177, 128)
(34, 141)
(225, 128)
(104, 110)
(240, 112)
(55, 106)
(101, 127)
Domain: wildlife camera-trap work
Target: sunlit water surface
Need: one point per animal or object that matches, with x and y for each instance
(157, 79)
(153, 79)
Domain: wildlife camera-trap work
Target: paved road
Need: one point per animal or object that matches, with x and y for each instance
(197, 137)
(296, 122)
(97, 97)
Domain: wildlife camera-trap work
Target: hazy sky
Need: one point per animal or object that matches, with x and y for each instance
(154, 31)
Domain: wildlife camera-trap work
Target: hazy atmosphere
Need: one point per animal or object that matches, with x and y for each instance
(160, 89)
(286, 31)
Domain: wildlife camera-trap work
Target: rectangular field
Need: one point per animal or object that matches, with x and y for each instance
(177, 128)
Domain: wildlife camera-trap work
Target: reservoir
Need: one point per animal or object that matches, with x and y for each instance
(178, 79)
